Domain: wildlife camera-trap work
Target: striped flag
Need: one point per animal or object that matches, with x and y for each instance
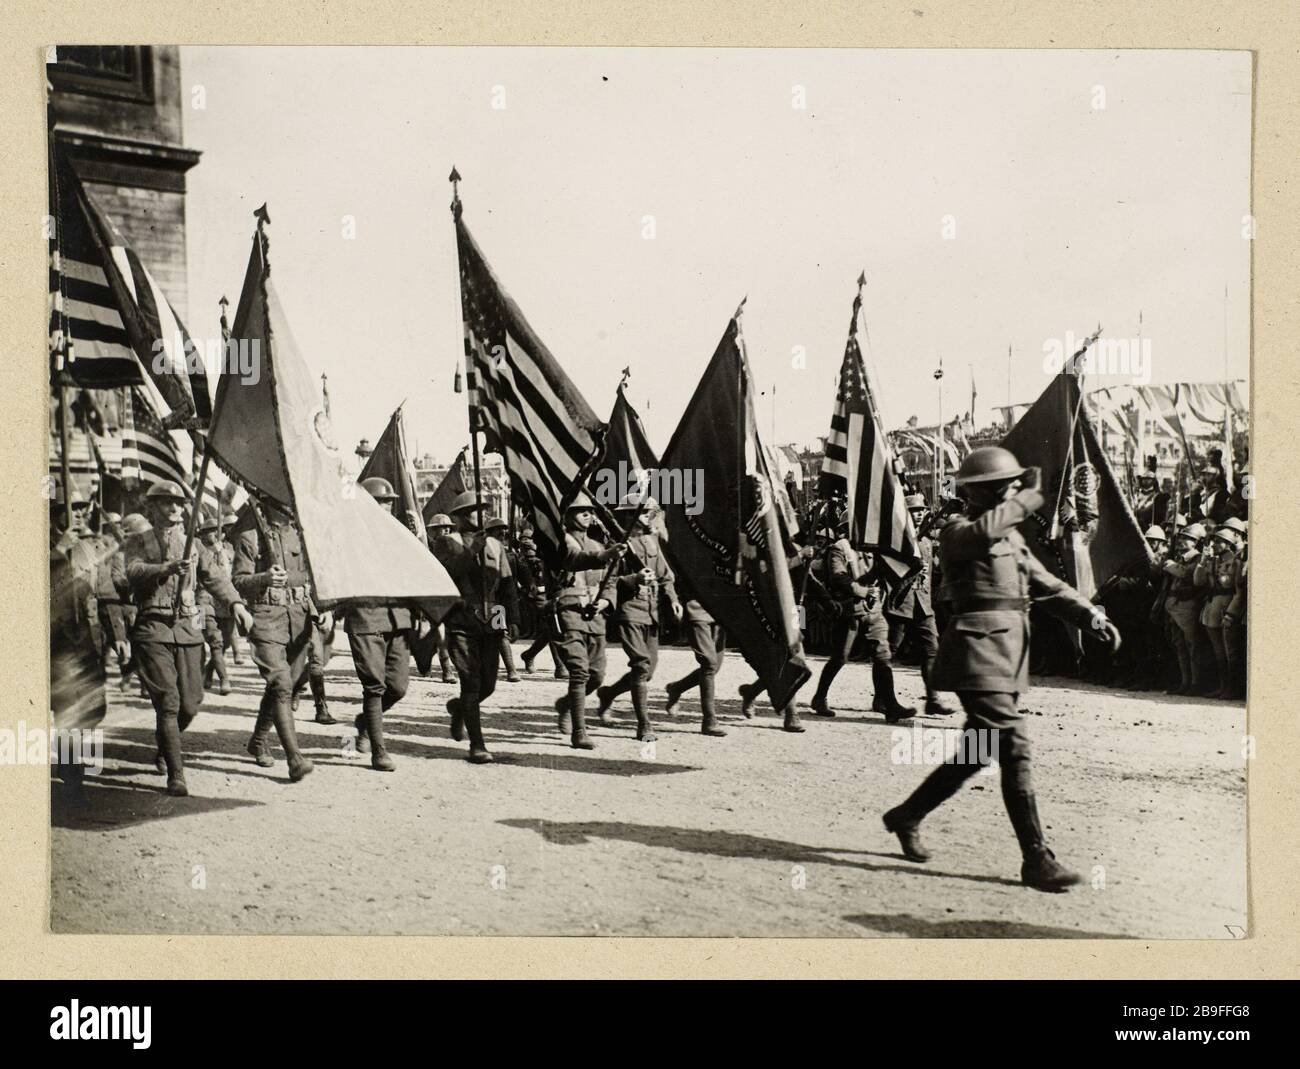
(89, 345)
(527, 407)
(859, 468)
(154, 330)
(148, 451)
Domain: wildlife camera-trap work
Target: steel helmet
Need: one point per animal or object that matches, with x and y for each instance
(1235, 525)
(914, 501)
(1156, 533)
(440, 519)
(379, 489)
(1194, 531)
(209, 521)
(135, 524)
(579, 503)
(636, 501)
(495, 523)
(167, 491)
(989, 464)
(464, 501)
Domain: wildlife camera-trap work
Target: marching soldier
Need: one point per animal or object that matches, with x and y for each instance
(380, 639)
(319, 651)
(478, 625)
(580, 605)
(913, 616)
(637, 613)
(499, 530)
(439, 528)
(1216, 574)
(210, 537)
(709, 644)
(230, 639)
(167, 640)
(112, 592)
(533, 580)
(270, 569)
(1181, 606)
(848, 578)
(989, 576)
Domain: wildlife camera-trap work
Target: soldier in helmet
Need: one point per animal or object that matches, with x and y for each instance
(380, 638)
(112, 591)
(636, 596)
(270, 570)
(1234, 615)
(990, 574)
(859, 600)
(583, 591)
(484, 618)
(709, 644)
(167, 637)
(1216, 575)
(1151, 659)
(912, 616)
(1181, 606)
(438, 529)
(498, 529)
(209, 531)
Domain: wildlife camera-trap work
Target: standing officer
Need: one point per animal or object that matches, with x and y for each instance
(913, 616)
(380, 638)
(582, 595)
(210, 536)
(438, 529)
(479, 624)
(499, 531)
(167, 637)
(637, 612)
(1234, 616)
(1216, 575)
(989, 576)
(270, 569)
(858, 601)
(709, 644)
(1181, 606)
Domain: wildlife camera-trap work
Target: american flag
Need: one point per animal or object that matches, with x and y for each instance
(858, 467)
(148, 451)
(528, 408)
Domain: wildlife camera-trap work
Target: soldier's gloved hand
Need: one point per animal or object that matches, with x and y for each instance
(279, 577)
(176, 567)
(243, 617)
(808, 552)
(123, 650)
(599, 606)
(1030, 479)
(613, 552)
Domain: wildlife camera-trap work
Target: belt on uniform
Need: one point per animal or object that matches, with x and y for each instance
(992, 605)
(290, 595)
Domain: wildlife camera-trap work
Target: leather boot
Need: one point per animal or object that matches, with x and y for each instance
(749, 693)
(792, 722)
(259, 747)
(299, 766)
(709, 723)
(508, 656)
(672, 695)
(372, 709)
(579, 739)
(641, 706)
(478, 751)
(908, 832)
(562, 714)
(1040, 869)
(605, 698)
(169, 748)
(882, 676)
(457, 719)
(362, 741)
(317, 682)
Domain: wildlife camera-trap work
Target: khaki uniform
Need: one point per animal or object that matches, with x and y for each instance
(1217, 581)
(636, 618)
(1182, 609)
(579, 583)
(859, 613)
(168, 646)
(990, 575)
(913, 618)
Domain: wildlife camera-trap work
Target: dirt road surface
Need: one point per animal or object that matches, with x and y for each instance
(761, 833)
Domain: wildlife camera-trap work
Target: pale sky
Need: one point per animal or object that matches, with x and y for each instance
(1066, 215)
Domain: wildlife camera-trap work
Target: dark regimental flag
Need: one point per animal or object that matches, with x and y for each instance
(1085, 532)
(109, 317)
(149, 451)
(272, 431)
(390, 461)
(626, 442)
(726, 537)
(859, 465)
(458, 480)
(525, 404)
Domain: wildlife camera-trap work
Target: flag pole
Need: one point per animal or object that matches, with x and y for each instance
(743, 413)
(471, 396)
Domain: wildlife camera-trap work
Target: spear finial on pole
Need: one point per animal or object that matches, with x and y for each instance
(454, 179)
(627, 374)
